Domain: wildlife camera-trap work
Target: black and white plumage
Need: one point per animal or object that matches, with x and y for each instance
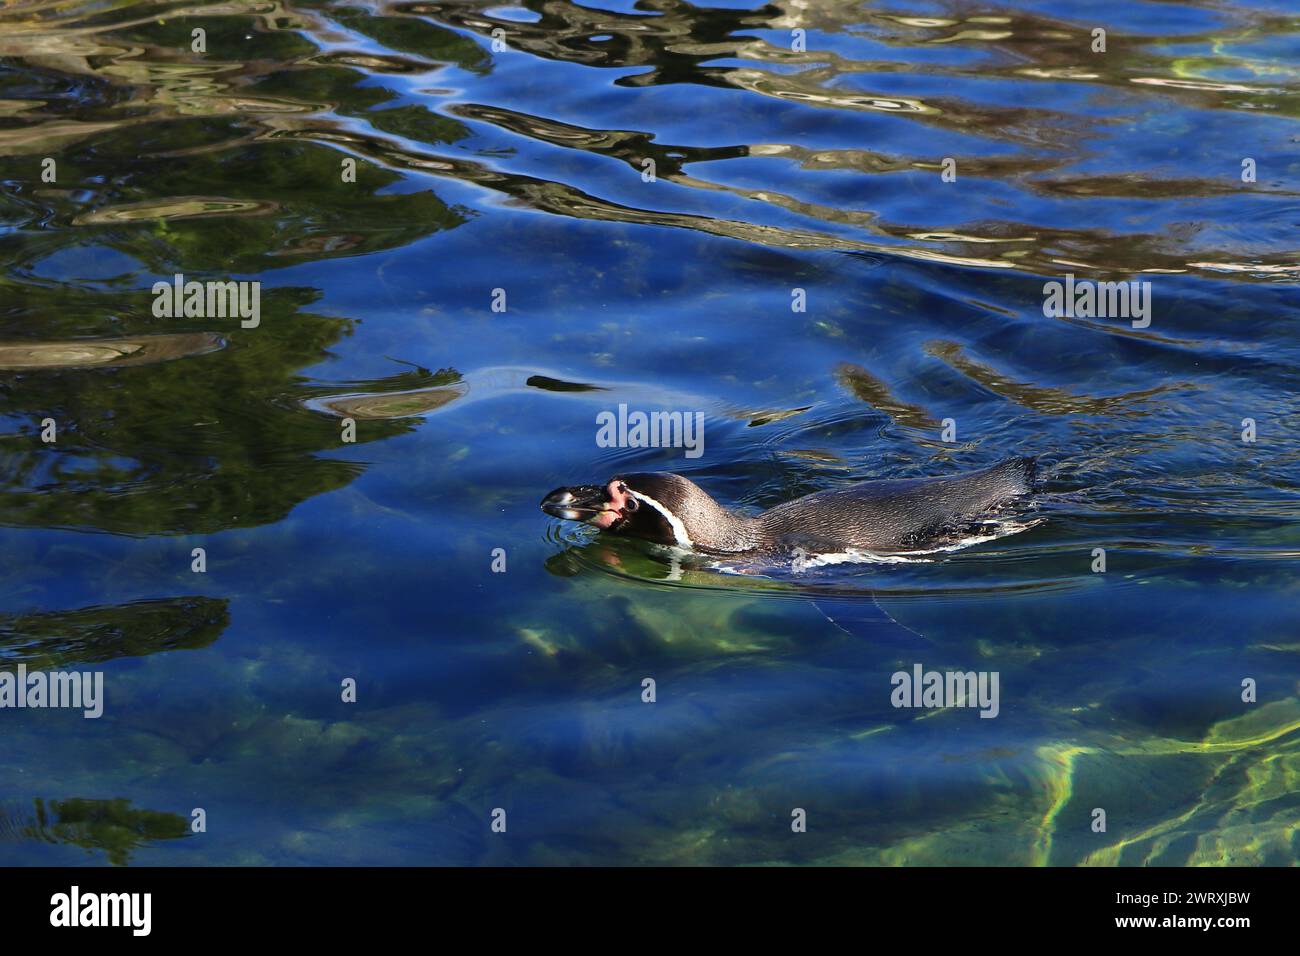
(880, 517)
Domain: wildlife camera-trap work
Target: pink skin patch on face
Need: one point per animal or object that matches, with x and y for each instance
(612, 510)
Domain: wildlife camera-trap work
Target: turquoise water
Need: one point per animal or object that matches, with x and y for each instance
(524, 169)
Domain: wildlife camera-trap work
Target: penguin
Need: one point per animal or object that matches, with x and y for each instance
(877, 517)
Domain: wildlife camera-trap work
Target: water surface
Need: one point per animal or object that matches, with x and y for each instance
(786, 168)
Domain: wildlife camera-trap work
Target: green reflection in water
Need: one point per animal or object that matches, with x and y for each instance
(70, 639)
(111, 827)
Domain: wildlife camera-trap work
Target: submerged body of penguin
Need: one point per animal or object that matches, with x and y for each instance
(878, 517)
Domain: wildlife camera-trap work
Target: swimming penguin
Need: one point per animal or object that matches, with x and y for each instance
(879, 517)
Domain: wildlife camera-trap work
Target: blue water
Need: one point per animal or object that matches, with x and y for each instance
(522, 170)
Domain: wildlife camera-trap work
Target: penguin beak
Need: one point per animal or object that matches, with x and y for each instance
(578, 503)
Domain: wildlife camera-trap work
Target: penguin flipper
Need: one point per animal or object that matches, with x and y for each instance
(864, 618)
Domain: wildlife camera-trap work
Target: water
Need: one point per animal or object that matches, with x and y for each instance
(522, 170)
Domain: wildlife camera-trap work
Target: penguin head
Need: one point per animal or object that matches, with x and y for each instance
(647, 505)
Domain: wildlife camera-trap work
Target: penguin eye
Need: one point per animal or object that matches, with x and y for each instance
(631, 505)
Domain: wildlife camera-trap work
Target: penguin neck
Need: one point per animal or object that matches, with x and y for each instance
(734, 533)
(712, 527)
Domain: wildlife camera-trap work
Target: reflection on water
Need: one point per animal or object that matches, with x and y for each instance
(85, 353)
(284, 89)
(111, 827)
(467, 251)
(72, 639)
